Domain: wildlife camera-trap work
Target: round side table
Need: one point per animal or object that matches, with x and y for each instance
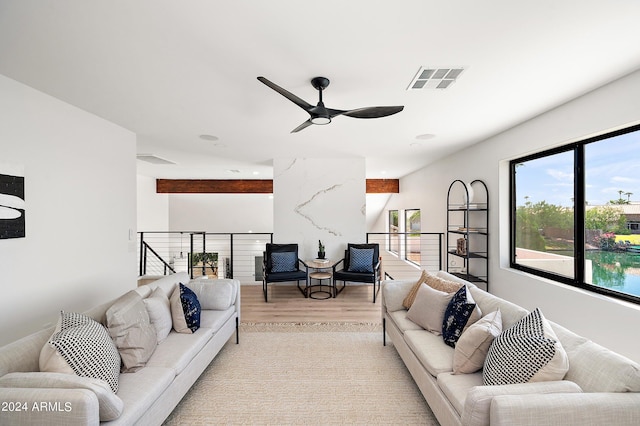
(322, 272)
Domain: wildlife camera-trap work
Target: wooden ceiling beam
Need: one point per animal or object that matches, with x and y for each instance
(251, 186)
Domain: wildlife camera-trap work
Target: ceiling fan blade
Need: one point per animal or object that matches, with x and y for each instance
(293, 98)
(302, 126)
(373, 112)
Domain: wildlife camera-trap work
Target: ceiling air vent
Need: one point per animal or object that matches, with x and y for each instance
(153, 159)
(434, 78)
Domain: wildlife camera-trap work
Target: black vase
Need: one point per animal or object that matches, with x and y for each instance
(320, 255)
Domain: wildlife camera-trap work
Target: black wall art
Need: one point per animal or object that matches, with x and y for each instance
(12, 224)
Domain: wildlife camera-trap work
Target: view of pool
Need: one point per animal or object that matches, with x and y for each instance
(618, 271)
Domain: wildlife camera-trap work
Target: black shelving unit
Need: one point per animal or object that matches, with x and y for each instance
(468, 232)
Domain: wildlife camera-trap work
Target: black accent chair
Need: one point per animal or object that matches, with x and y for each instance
(285, 268)
(357, 269)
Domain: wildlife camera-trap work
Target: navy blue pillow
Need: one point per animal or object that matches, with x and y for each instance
(456, 316)
(191, 307)
(283, 262)
(360, 260)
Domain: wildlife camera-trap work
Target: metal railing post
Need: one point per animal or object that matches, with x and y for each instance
(141, 248)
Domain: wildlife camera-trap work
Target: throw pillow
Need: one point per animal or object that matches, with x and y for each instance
(528, 351)
(84, 347)
(428, 309)
(456, 316)
(159, 311)
(110, 405)
(473, 345)
(411, 296)
(185, 310)
(131, 330)
(442, 285)
(360, 260)
(283, 262)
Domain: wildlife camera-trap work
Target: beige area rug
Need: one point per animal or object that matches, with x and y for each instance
(305, 374)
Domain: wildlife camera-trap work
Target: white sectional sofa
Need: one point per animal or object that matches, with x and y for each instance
(146, 396)
(599, 388)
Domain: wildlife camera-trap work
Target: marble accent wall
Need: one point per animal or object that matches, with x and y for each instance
(319, 199)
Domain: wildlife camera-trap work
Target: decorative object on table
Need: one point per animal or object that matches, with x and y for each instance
(461, 248)
(321, 252)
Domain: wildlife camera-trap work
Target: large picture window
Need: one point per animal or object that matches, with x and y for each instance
(574, 216)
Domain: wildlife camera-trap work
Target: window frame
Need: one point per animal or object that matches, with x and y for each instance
(579, 185)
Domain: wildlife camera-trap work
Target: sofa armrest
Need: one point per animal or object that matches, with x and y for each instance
(567, 409)
(477, 405)
(40, 406)
(393, 294)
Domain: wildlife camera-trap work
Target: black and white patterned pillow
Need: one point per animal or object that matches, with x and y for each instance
(360, 260)
(87, 347)
(456, 316)
(523, 351)
(283, 262)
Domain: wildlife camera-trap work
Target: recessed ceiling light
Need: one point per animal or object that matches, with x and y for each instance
(256, 172)
(425, 136)
(208, 137)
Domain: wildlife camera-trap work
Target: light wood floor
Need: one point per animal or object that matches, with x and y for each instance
(287, 304)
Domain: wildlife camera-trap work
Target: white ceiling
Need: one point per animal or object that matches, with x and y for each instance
(173, 70)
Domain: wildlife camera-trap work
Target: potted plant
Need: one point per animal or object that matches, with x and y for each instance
(320, 250)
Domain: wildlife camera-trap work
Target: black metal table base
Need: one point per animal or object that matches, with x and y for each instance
(314, 294)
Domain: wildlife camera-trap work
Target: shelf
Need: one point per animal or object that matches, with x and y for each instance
(468, 218)
(470, 255)
(469, 277)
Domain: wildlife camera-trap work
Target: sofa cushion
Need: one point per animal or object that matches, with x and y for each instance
(131, 330)
(213, 320)
(411, 296)
(159, 311)
(487, 302)
(595, 368)
(472, 347)
(402, 322)
(215, 294)
(185, 310)
(529, 351)
(428, 309)
(82, 346)
(140, 390)
(177, 351)
(110, 404)
(456, 316)
(456, 386)
(394, 293)
(360, 259)
(477, 404)
(435, 356)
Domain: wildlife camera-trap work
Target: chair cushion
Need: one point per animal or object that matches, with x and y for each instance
(283, 262)
(360, 259)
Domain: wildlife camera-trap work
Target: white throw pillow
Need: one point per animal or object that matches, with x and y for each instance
(131, 330)
(428, 308)
(529, 351)
(472, 347)
(159, 311)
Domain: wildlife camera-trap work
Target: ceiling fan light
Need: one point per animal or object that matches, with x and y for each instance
(321, 119)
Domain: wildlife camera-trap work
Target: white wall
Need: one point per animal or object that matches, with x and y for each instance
(319, 199)
(607, 321)
(152, 208)
(80, 200)
(220, 212)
